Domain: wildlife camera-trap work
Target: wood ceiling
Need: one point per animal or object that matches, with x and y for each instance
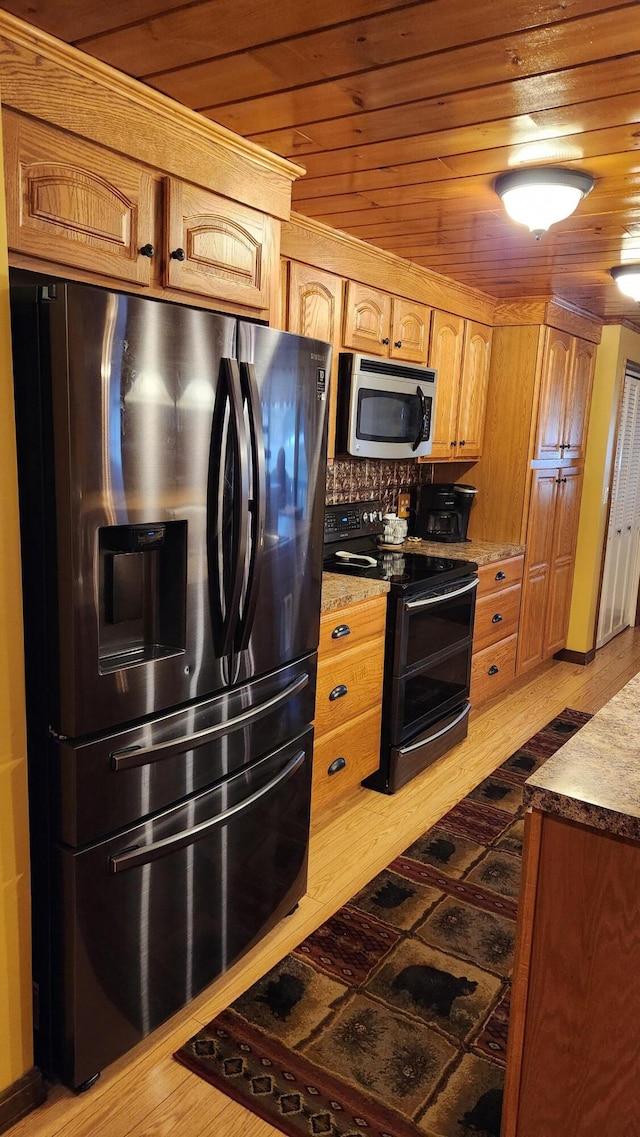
(404, 113)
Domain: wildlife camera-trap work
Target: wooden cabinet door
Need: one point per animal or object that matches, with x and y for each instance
(367, 319)
(313, 309)
(90, 209)
(578, 402)
(218, 248)
(553, 395)
(537, 568)
(445, 354)
(565, 533)
(409, 331)
(473, 390)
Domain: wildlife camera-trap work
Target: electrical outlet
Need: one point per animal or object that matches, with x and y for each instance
(404, 501)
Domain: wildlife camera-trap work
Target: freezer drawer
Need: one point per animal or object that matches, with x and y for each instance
(151, 917)
(112, 782)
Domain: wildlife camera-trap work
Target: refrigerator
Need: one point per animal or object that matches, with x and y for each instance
(172, 476)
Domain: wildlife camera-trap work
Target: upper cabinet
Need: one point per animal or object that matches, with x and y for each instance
(377, 323)
(565, 393)
(312, 303)
(75, 204)
(217, 248)
(460, 352)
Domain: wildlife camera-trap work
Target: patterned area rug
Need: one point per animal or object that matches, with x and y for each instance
(391, 1019)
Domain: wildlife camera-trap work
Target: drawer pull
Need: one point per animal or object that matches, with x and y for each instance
(336, 766)
(340, 631)
(497, 619)
(338, 692)
(501, 575)
(493, 670)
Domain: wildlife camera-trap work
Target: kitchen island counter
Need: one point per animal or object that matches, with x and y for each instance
(595, 777)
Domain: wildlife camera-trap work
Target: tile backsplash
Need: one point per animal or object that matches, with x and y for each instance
(362, 479)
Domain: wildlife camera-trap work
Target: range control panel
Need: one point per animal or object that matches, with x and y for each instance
(357, 519)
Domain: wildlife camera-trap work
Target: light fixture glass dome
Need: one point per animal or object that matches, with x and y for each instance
(542, 196)
(627, 277)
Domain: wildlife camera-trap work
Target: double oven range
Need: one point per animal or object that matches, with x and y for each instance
(429, 631)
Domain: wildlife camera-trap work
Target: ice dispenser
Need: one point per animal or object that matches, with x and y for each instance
(143, 592)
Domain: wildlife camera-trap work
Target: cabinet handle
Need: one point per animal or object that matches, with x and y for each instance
(462, 442)
(564, 480)
(147, 250)
(497, 619)
(452, 443)
(178, 255)
(501, 575)
(493, 670)
(340, 631)
(336, 766)
(386, 339)
(338, 692)
(397, 343)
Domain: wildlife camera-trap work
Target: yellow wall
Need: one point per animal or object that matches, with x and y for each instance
(16, 1055)
(618, 344)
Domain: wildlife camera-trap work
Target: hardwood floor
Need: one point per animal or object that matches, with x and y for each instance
(146, 1093)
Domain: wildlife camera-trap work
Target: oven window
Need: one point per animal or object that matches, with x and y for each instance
(388, 416)
(426, 695)
(437, 627)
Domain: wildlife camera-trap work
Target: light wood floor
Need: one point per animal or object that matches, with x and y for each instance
(146, 1093)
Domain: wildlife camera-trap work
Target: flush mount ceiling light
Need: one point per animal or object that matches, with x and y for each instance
(538, 197)
(627, 277)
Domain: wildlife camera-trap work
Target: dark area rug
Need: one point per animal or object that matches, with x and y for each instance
(391, 1019)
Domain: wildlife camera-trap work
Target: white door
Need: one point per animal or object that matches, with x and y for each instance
(622, 553)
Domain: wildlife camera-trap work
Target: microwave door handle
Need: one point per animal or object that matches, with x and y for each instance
(412, 605)
(425, 416)
(133, 756)
(136, 857)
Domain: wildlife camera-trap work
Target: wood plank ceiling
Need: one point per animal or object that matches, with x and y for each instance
(403, 113)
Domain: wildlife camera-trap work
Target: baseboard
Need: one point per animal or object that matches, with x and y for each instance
(21, 1097)
(581, 657)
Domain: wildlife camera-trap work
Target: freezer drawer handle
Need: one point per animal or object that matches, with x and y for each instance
(438, 734)
(412, 605)
(135, 858)
(142, 755)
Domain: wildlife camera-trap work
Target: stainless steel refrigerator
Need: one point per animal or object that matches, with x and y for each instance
(171, 470)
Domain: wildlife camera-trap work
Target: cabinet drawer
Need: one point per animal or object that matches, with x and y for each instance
(496, 617)
(499, 574)
(358, 744)
(492, 670)
(346, 628)
(348, 686)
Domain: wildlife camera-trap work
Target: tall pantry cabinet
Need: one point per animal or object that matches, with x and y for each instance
(530, 477)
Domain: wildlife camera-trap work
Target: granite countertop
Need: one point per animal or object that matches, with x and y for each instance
(482, 552)
(338, 590)
(595, 777)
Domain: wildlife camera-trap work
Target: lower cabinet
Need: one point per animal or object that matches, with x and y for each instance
(348, 700)
(554, 512)
(495, 634)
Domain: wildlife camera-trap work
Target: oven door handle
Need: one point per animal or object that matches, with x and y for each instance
(402, 750)
(412, 605)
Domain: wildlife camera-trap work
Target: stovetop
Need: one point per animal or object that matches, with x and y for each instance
(355, 529)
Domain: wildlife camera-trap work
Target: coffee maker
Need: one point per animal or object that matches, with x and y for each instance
(442, 511)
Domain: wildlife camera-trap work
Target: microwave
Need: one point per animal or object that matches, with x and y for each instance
(385, 409)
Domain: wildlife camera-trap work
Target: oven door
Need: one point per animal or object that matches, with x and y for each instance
(390, 417)
(427, 693)
(437, 621)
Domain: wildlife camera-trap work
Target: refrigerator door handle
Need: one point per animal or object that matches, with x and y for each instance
(229, 392)
(136, 857)
(133, 756)
(258, 509)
